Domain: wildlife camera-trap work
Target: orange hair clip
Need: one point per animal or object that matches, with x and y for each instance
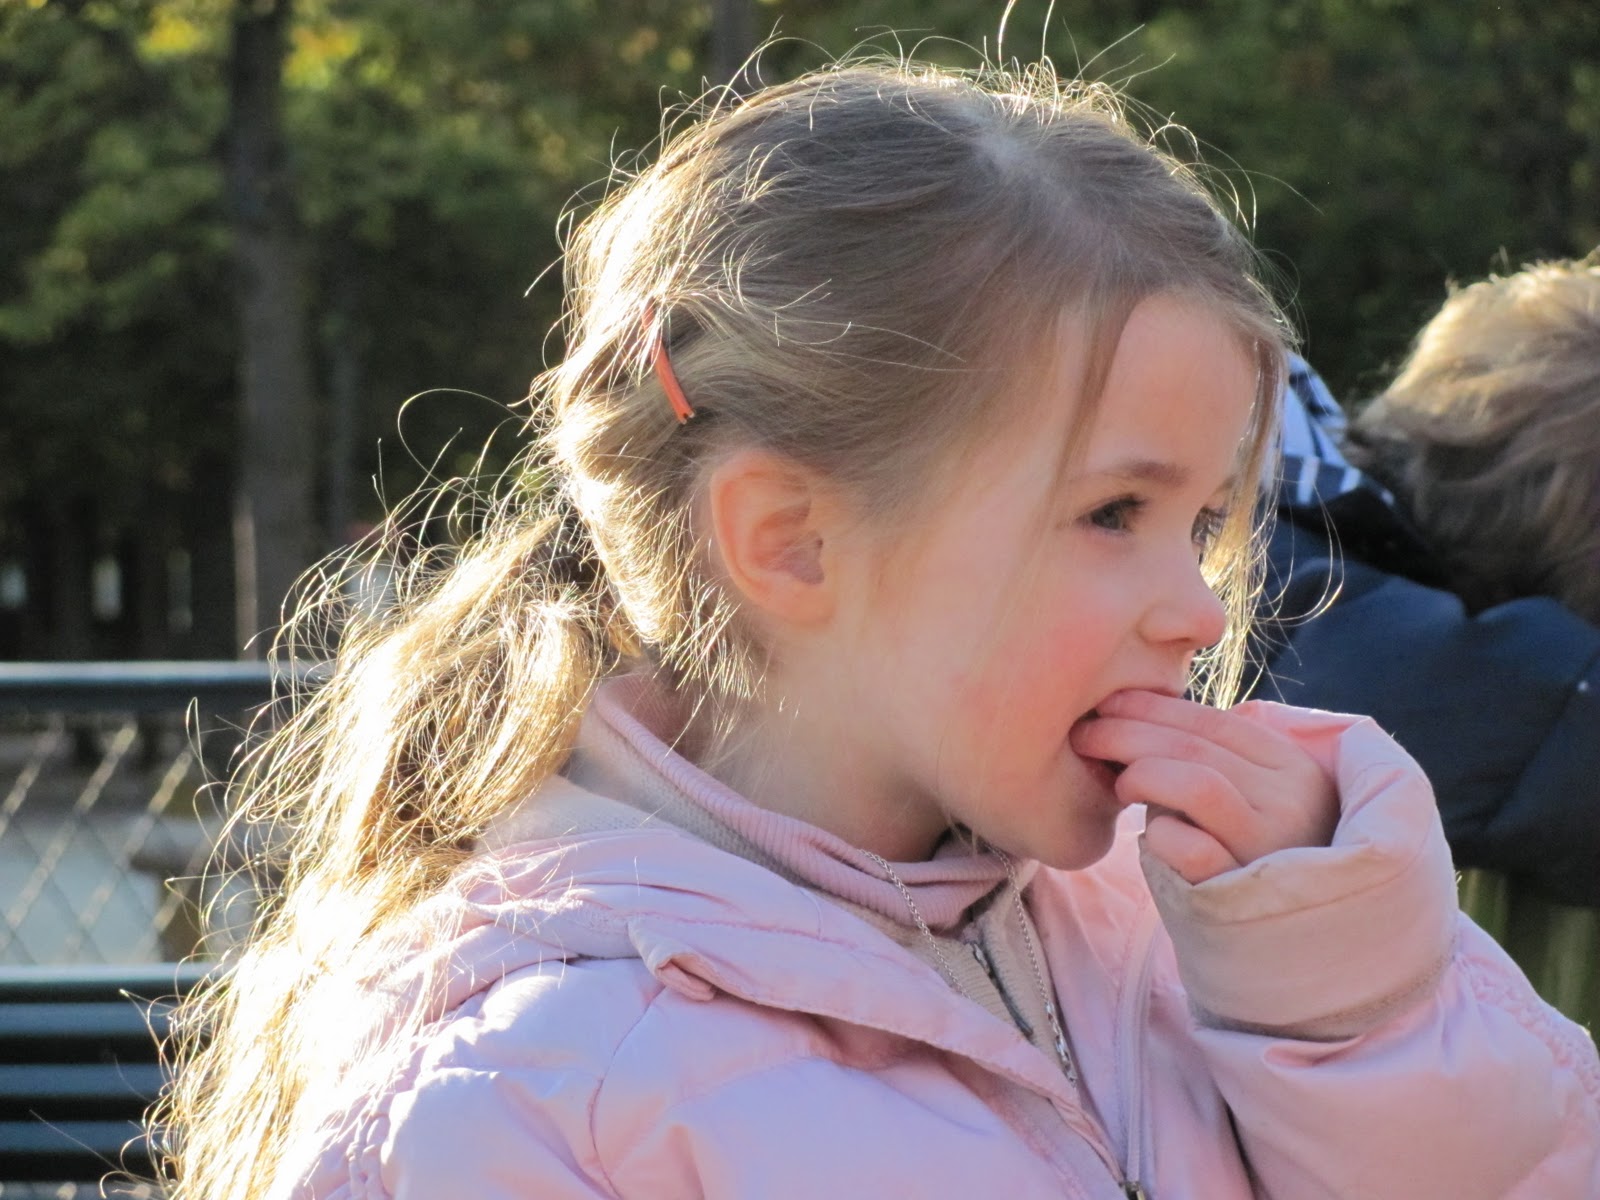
(665, 375)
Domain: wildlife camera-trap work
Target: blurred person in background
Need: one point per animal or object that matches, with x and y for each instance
(1452, 538)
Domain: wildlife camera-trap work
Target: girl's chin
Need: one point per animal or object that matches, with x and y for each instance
(1087, 844)
(1075, 829)
(1076, 859)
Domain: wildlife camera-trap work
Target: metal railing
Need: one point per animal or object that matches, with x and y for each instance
(109, 807)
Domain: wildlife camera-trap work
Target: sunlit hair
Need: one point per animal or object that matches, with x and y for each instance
(844, 268)
(1491, 435)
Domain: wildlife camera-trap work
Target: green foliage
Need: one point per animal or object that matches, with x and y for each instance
(110, 325)
(435, 146)
(432, 147)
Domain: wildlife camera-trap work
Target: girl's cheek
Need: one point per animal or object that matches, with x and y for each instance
(1078, 629)
(988, 698)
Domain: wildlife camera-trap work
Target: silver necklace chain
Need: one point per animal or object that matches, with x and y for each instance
(1063, 1052)
(916, 915)
(1060, 1038)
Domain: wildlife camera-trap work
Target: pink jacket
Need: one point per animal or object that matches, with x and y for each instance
(638, 1014)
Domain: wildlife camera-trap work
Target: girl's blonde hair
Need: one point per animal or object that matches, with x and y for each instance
(846, 270)
(1491, 435)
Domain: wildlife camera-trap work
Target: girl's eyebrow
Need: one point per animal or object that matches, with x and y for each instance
(1145, 470)
(1163, 474)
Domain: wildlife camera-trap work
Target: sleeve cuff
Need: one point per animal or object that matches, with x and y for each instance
(1323, 943)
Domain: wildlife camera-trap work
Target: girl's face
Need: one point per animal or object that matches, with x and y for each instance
(1027, 597)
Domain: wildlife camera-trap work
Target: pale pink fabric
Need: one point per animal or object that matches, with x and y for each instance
(632, 1012)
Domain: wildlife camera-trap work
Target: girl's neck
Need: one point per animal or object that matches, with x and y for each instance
(803, 762)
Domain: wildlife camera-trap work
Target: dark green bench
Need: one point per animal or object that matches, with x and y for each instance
(79, 1067)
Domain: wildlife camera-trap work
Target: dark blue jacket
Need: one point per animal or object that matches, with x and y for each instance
(1501, 707)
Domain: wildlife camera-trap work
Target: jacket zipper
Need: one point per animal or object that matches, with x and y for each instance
(1133, 1012)
(1079, 1121)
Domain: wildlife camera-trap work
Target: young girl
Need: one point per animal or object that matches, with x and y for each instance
(807, 803)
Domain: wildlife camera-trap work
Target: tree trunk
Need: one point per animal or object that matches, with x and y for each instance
(345, 350)
(213, 582)
(59, 582)
(272, 514)
(732, 40)
(146, 588)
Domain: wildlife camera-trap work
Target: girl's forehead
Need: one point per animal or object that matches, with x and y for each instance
(1169, 351)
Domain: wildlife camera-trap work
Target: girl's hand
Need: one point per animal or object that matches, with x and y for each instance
(1222, 790)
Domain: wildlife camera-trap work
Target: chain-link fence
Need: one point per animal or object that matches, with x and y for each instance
(109, 804)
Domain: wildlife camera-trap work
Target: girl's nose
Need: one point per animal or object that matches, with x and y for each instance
(1186, 613)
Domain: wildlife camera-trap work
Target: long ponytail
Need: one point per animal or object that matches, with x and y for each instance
(436, 717)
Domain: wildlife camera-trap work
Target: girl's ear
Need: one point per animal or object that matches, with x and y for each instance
(775, 527)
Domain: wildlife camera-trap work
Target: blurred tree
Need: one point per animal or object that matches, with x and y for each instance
(273, 535)
(114, 348)
(732, 38)
(431, 148)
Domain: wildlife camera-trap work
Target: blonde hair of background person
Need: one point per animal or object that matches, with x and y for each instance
(869, 283)
(1491, 434)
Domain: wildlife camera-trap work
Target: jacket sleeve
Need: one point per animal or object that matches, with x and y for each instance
(1501, 708)
(1368, 1039)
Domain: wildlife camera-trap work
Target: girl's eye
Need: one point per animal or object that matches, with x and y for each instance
(1116, 515)
(1207, 526)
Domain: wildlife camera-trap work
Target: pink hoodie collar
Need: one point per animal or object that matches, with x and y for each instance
(626, 725)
